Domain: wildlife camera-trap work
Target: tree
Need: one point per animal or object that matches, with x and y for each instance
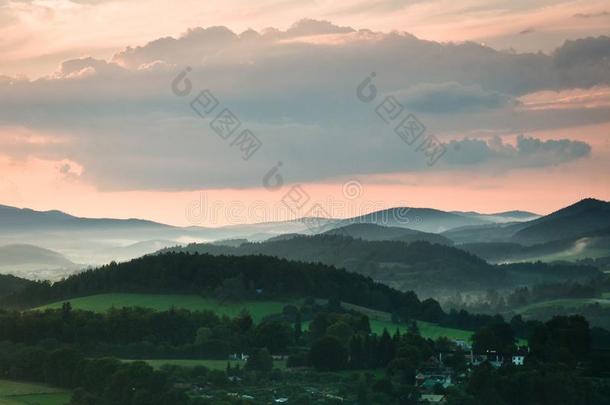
(413, 328)
(203, 335)
(341, 330)
(565, 339)
(260, 360)
(275, 335)
(290, 312)
(298, 327)
(356, 353)
(244, 321)
(498, 337)
(328, 354)
(317, 327)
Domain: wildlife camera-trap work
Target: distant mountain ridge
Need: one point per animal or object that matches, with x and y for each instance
(430, 269)
(25, 217)
(373, 232)
(94, 241)
(12, 255)
(587, 215)
(33, 262)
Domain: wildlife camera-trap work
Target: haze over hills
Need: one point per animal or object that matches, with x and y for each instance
(94, 241)
(429, 269)
(33, 262)
(373, 232)
(585, 216)
(419, 219)
(589, 245)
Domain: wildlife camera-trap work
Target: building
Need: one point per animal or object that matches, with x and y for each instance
(518, 358)
(433, 399)
(494, 358)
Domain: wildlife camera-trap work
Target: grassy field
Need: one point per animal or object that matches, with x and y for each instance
(258, 309)
(382, 320)
(22, 393)
(211, 364)
(569, 255)
(565, 303)
(103, 302)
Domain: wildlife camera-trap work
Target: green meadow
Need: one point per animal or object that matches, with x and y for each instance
(22, 393)
(258, 309)
(568, 303)
(160, 302)
(210, 364)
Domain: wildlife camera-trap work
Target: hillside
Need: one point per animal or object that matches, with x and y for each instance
(488, 233)
(419, 219)
(223, 277)
(429, 269)
(16, 255)
(10, 284)
(589, 245)
(34, 262)
(585, 216)
(258, 309)
(23, 218)
(419, 266)
(373, 232)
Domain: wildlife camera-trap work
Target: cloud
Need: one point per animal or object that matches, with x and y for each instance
(452, 97)
(526, 152)
(376, 7)
(592, 15)
(588, 52)
(296, 90)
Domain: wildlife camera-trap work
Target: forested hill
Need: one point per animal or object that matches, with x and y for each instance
(405, 266)
(249, 277)
(10, 284)
(427, 268)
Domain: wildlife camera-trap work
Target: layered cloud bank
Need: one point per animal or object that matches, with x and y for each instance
(321, 103)
(295, 90)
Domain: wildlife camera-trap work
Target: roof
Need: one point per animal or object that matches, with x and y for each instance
(432, 398)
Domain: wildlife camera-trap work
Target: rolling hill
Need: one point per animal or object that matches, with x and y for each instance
(418, 266)
(373, 232)
(590, 245)
(588, 215)
(429, 269)
(34, 262)
(227, 278)
(419, 219)
(10, 284)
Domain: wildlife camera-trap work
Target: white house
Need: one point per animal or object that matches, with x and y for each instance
(518, 359)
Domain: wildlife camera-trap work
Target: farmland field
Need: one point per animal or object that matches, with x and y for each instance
(211, 364)
(565, 303)
(160, 302)
(382, 320)
(23, 393)
(258, 309)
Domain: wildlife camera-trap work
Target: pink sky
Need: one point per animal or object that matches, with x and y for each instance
(49, 162)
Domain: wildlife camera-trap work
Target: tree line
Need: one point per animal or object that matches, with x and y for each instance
(240, 277)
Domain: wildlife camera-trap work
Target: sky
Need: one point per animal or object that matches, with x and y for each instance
(215, 113)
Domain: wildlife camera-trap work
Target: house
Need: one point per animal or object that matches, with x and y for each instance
(494, 358)
(433, 399)
(238, 356)
(430, 382)
(462, 344)
(518, 358)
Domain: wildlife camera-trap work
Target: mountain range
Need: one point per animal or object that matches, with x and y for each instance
(574, 232)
